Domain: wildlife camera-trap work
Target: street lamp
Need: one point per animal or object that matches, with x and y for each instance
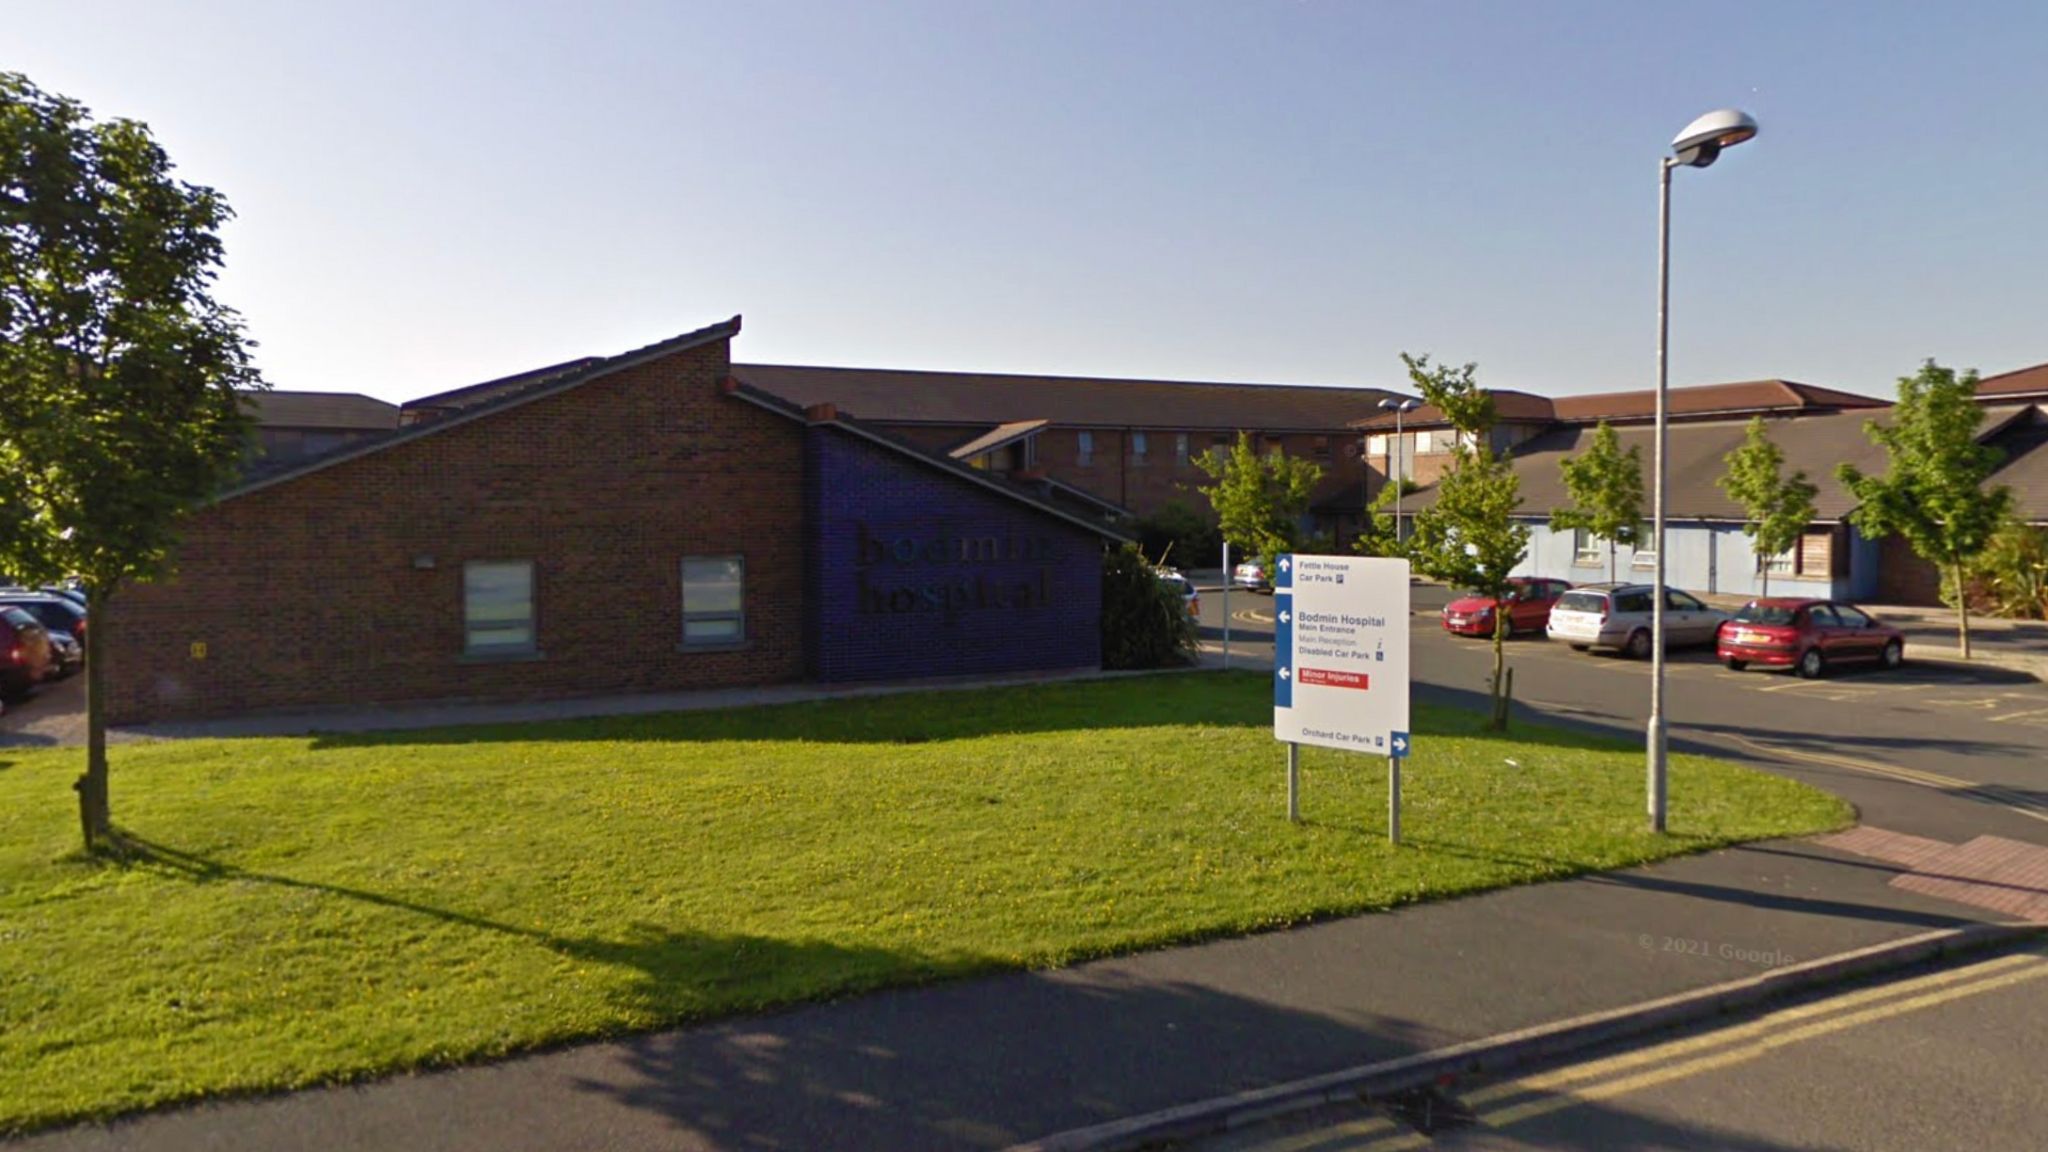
(1398, 407)
(1696, 147)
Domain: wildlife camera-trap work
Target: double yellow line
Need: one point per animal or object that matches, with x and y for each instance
(1515, 1101)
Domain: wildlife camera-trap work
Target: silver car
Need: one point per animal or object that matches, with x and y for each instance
(1617, 616)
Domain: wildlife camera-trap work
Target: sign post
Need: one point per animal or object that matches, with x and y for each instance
(1340, 663)
(1227, 582)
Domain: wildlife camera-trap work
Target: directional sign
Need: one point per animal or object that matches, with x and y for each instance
(1340, 653)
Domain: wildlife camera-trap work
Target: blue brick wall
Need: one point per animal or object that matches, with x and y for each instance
(914, 572)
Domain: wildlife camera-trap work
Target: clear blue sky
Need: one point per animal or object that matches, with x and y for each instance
(432, 194)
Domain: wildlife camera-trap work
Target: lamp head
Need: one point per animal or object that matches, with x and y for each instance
(1703, 139)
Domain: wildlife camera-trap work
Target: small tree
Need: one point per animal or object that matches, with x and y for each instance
(1469, 536)
(1606, 489)
(119, 371)
(1778, 507)
(1259, 500)
(1932, 492)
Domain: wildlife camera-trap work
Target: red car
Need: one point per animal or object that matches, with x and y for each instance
(24, 652)
(1529, 601)
(1807, 635)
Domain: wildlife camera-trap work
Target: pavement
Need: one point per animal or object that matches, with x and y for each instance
(995, 1062)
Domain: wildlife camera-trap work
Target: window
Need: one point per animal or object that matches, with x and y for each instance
(1139, 446)
(1180, 448)
(1822, 616)
(1422, 443)
(1678, 601)
(1784, 563)
(1586, 547)
(1646, 547)
(714, 601)
(497, 607)
(1851, 617)
(1376, 445)
(1085, 452)
(1321, 446)
(1816, 553)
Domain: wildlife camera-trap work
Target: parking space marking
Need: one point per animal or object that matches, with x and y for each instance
(1987, 793)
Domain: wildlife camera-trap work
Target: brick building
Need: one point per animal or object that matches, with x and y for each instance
(633, 523)
(1125, 447)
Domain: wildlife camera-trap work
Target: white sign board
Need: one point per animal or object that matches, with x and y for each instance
(1340, 653)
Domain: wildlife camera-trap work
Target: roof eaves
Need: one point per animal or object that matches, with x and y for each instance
(549, 386)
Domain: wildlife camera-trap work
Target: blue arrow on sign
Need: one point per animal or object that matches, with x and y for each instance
(1398, 745)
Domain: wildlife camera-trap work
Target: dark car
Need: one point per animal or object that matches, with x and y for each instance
(57, 613)
(67, 656)
(1807, 636)
(1528, 604)
(24, 652)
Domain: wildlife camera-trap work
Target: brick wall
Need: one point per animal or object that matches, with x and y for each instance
(310, 592)
(917, 573)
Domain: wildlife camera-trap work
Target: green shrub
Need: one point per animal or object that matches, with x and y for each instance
(1180, 535)
(2010, 578)
(1144, 622)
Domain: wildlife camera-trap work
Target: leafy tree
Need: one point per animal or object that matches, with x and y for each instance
(1145, 623)
(1932, 492)
(120, 372)
(1259, 499)
(1606, 489)
(1468, 537)
(1779, 507)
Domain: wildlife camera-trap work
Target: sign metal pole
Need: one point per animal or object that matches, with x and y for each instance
(1394, 800)
(1293, 783)
(1227, 582)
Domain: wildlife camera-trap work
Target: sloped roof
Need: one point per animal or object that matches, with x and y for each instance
(350, 410)
(1509, 407)
(2025, 381)
(471, 395)
(2025, 444)
(984, 399)
(997, 437)
(529, 387)
(1811, 444)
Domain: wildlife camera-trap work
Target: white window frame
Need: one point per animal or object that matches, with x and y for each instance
(737, 615)
(1785, 563)
(1376, 445)
(477, 634)
(1423, 443)
(1140, 444)
(1646, 545)
(1586, 549)
(1084, 447)
(1180, 448)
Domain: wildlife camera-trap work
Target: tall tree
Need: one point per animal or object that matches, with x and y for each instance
(121, 373)
(1259, 499)
(1606, 489)
(1468, 536)
(1932, 492)
(1778, 507)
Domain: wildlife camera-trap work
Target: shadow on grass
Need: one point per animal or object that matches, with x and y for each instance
(678, 975)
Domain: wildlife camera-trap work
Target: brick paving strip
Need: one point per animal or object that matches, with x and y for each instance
(2006, 876)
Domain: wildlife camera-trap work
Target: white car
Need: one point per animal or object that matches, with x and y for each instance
(1252, 574)
(1618, 616)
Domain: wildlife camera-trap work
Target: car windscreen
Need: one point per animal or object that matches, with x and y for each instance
(18, 618)
(1583, 602)
(1765, 614)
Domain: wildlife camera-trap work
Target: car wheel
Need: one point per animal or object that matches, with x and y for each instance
(1737, 665)
(1638, 647)
(1812, 664)
(1894, 654)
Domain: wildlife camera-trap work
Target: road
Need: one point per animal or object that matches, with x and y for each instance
(1934, 750)
(1940, 1059)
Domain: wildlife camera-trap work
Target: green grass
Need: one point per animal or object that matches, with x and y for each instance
(318, 909)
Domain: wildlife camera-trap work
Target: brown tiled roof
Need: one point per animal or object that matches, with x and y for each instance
(1509, 407)
(980, 398)
(996, 437)
(531, 386)
(471, 395)
(1812, 444)
(2025, 381)
(1701, 400)
(350, 410)
(2025, 444)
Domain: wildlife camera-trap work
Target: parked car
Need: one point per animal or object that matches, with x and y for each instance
(67, 656)
(1528, 605)
(1807, 636)
(56, 613)
(24, 652)
(1252, 574)
(1618, 616)
(1189, 597)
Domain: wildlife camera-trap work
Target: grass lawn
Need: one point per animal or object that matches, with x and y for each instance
(317, 909)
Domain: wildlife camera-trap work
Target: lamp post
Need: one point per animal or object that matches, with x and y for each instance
(1696, 147)
(1398, 408)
